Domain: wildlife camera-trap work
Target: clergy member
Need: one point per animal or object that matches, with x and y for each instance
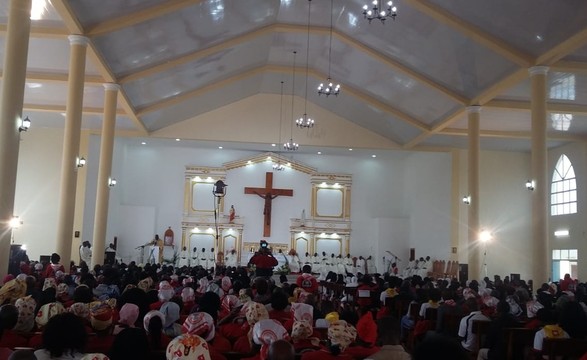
(85, 253)
(183, 258)
(230, 260)
(194, 260)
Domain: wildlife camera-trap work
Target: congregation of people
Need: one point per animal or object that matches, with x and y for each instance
(128, 311)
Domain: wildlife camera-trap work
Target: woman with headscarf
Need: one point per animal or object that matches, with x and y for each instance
(202, 324)
(254, 312)
(164, 294)
(26, 314)
(128, 316)
(264, 333)
(302, 336)
(188, 347)
(54, 266)
(8, 320)
(170, 311)
(340, 336)
(153, 325)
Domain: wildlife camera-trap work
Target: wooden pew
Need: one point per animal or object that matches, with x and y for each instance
(566, 348)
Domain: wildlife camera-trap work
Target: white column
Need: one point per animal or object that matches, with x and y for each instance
(541, 265)
(104, 173)
(473, 113)
(71, 142)
(11, 100)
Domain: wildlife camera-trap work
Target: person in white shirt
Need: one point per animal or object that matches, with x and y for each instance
(361, 268)
(370, 263)
(340, 268)
(85, 253)
(230, 259)
(466, 326)
(316, 264)
(211, 260)
(293, 261)
(203, 259)
(348, 264)
(194, 259)
(183, 258)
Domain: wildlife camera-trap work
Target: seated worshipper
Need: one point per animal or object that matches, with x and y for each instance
(439, 346)
(188, 347)
(448, 308)
(130, 343)
(164, 294)
(300, 312)
(82, 311)
(279, 303)
(228, 304)
(128, 315)
(307, 281)
(495, 346)
(281, 350)
(183, 259)
(26, 314)
(13, 289)
(171, 312)
(254, 313)
(8, 320)
(263, 261)
(264, 333)
(302, 336)
(340, 336)
(433, 303)
(364, 290)
(468, 338)
(46, 312)
(316, 266)
(226, 284)
(551, 329)
(188, 297)
(202, 324)
(366, 336)
(101, 319)
(573, 320)
(389, 338)
(153, 325)
(340, 269)
(53, 266)
(64, 337)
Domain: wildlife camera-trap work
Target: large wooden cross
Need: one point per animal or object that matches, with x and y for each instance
(268, 193)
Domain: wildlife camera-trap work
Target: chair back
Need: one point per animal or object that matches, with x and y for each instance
(566, 348)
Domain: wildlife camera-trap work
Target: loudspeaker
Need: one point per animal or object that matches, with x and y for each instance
(109, 257)
(515, 277)
(463, 272)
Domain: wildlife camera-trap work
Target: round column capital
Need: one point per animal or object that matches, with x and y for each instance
(78, 40)
(538, 70)
(473, 109)
(111, 87)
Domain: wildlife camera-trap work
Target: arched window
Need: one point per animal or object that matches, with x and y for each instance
(563, 192)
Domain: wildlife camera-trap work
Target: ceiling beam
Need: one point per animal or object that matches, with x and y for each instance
(51, 77)
(117, 23)
(42, 32)
(473, 32)
(560, 136)
(576, 67)
(74, 26)
(564, 108)
(563, 48)
(61, 109)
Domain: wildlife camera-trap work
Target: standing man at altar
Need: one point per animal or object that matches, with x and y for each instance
(294, 261)
(211, 260)
(203, 259)
(85, 253)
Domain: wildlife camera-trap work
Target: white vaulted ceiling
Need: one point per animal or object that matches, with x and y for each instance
(408, 80)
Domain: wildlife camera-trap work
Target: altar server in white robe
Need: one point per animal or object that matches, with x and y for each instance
(85, 252)
(361, 265)
(230, 259)
(371, 269)
(307, 260)
(203, 259)
(293, 261)
(194, 259)
(340, 265)
(332, 264)
(316, 264)
(184, 259)
(348, 264)
(211, 260)
(409, 269)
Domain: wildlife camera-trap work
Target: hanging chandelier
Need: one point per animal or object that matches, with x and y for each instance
(306, 122)
(379, 11)
(330, 88)
(291, 145)
(278, 166)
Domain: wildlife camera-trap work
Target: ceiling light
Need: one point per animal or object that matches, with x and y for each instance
(561, 233)
(319, 152)
(278, 166)
(373, 156)
(291, 145)
(177, 139)
(220, 147)
(305, 121)
(330, 88)
(143, 143)
(274, 145)
(15, 222)
(350, 149)
(380, 10)
(111, 182)
(485, 236)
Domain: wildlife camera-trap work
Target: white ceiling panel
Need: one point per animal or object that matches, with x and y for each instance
(42, 14)
(90, 15)
(43, 119)
(37, 93)
(545, 23)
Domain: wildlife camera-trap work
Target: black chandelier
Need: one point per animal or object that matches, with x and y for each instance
(380, 11)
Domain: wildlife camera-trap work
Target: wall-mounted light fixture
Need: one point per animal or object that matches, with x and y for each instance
(530, 185)
(467, 200)
(80, 162)
(25, 124)
(15, 222)
(111, 182)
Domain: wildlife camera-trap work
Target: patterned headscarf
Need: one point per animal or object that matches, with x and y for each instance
(332, 317)
(267, 331)
(95, 356)
(151, 314)
(49, 282)
(242, 295)
(301, 311)
(255, 312)
(203, 285)
(226, 284)
(26, 314)
(166, 292)
(215, 289)
(341, 333)
(301, 330)
(100, 315)
(229, 302)
(188, 347)
(47, 311)
(188, 294)
(129, 313)
(80, 309)
(62, 289)
(201, 324)
(171, 312)
(145, 284)
(187, 280)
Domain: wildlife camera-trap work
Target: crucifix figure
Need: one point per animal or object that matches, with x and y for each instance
(268, 193)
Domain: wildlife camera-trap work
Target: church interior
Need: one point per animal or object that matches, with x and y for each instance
(453, 119)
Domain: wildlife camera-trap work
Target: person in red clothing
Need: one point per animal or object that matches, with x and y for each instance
(54, 266)
(366, 336)
(202, 324)
(153, 324)
(8, 320)
(364, 290)
(341, 335)
(566, 282)
(307, 281)
(263, 261)
(279, 302)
